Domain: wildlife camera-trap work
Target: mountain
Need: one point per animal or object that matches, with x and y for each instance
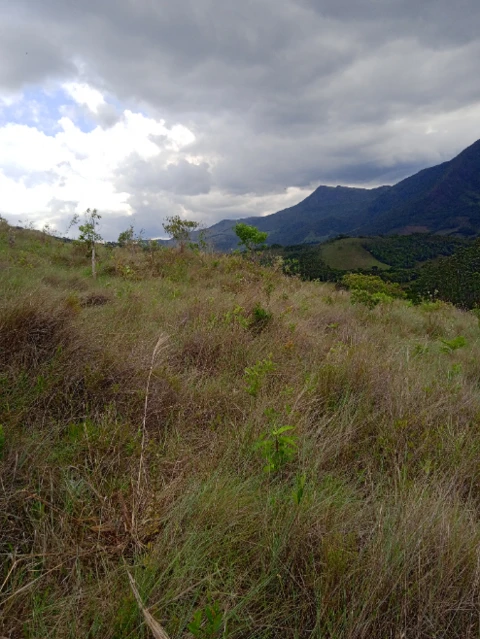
(327, 212)
(441, 199)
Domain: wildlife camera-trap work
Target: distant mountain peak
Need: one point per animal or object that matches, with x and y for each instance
(441, 199)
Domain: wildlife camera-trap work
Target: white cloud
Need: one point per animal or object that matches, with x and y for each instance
(84, 95)
(80, 166)
(281, 93)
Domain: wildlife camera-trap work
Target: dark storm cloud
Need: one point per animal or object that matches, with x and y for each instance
(150, 176)
(28, 56)
(278, 92)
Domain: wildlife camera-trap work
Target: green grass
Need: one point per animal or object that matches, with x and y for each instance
(348, 254)
(120, 457)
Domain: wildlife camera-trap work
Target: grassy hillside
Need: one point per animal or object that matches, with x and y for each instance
(138, 413)
(349, 253)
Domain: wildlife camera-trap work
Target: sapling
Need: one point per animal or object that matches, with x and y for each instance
(89, 234)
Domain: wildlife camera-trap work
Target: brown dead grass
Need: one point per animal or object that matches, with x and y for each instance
(385, 540)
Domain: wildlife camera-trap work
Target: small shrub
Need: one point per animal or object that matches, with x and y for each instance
(237, 316)
(260, 317)
(372, 284)
(277, 448)
(371, 300)
(256, 374)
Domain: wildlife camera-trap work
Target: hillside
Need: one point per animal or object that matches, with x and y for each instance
(441, 199)
(349, 253)
(327, 212)
(257, 455)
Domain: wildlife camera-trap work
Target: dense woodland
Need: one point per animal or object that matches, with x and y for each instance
(406, 251)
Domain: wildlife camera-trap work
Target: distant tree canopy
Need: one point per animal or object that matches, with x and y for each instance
(179, 229)
(454, 279)
(130, 239)
(249, 236)
(405, 251)
(126, 237)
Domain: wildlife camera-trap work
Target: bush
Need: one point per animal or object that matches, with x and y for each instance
(372, 284)
(370, 299)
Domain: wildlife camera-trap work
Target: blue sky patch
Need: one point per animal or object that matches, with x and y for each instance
(43, 110)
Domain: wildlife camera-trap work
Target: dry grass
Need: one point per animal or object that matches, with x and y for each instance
(384, 542)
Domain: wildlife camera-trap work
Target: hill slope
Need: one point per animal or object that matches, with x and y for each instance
(349, 254)
(444, 198)
(327, 211)
(139, 413)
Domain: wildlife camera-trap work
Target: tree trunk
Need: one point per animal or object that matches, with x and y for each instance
(94, 265)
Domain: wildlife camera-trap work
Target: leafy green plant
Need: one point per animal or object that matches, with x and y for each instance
(237, 315)
(256, 374)
(455, 370)
(277, 448)
(261, 317)
(453, 344)
(206, 622)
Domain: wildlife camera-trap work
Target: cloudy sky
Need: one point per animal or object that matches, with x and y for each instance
(216, 109)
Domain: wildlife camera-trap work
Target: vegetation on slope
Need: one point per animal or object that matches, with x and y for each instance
(349, 253)
(455, 279)
(406, 251)
(143, 431)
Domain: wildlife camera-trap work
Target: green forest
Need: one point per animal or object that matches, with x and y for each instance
(425, 265)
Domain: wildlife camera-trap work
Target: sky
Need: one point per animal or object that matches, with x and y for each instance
(215, 109)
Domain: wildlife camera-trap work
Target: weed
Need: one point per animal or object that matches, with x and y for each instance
(453, 344)
(237, 315)
(260, 317)
(299, 490)
(420, 349)
(206, 622)
(277, 448)
(454, 371)
(256, 374)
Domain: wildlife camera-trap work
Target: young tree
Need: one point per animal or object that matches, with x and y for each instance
(179, 229)
(249, 236)
(89, 234)
(128, 238)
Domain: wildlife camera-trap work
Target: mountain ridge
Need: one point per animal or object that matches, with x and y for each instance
(444, 198)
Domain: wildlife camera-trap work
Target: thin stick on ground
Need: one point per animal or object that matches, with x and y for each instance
(160, 342)
(157, 630)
